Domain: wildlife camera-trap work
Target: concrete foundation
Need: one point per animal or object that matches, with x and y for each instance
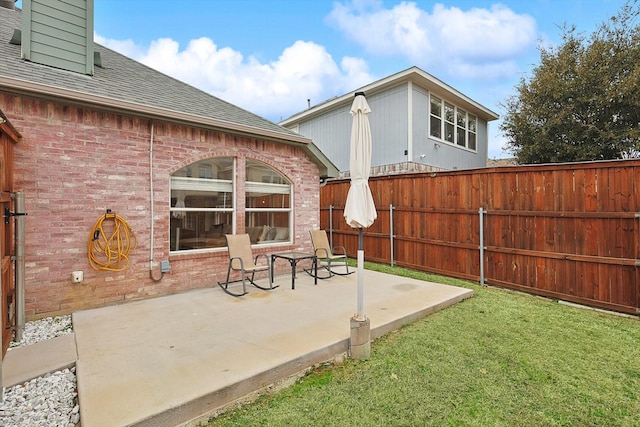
(360, 344)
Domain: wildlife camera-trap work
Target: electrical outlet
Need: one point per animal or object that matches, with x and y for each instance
(77, 276)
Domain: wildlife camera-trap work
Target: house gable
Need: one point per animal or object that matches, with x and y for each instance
(399, 125)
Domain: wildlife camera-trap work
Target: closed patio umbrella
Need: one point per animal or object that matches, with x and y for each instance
(360, 211)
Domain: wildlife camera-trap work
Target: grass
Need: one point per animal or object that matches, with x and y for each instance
(498, 359)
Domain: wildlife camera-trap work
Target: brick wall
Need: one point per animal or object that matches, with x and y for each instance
(73, 163)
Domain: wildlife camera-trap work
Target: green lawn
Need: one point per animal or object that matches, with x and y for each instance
(497, 359)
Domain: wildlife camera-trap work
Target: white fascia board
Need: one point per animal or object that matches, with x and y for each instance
(415, 74)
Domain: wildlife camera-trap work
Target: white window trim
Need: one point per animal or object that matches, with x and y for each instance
(444, 121)
(205, 185)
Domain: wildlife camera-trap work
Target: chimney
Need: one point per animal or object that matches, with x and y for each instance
(58, 34)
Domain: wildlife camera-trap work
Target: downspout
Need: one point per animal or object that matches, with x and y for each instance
(20, 311)
(152, 201)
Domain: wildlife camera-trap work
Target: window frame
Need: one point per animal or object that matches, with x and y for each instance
(452, 131)
(270, 184)
(435, 117)
(202, 183)
(281, 188)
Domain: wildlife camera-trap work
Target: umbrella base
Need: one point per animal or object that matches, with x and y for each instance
(360, 343)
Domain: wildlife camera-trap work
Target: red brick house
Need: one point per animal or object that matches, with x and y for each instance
(100, 131)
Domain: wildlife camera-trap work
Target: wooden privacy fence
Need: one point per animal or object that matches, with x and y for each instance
(565, 231)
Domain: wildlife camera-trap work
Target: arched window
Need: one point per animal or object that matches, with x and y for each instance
(269, 195)
(202, 204)
(203, 207)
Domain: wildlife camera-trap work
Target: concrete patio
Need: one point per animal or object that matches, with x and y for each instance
(177, 359)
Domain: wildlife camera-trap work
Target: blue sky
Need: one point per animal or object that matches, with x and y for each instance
(270, 56)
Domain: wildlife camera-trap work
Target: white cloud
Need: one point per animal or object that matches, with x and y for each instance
(460, 46)
(480, 43)
(125, 47)
(383, 31)
(275, 90)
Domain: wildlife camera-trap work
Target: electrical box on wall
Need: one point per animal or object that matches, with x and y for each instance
(77, 276)
(164, 266)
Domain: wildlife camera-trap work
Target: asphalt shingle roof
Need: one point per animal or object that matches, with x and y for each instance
(123, 79)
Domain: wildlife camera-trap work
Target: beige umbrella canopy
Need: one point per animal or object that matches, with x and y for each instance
(360, 211)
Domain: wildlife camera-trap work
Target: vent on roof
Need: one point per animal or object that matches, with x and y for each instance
(16, 38)
(8, 4)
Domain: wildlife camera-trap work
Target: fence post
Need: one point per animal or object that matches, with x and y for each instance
(391, 232)
(481, 214)
(331, 225)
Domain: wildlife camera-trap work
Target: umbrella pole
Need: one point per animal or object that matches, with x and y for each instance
(360, 343)
(360, 276)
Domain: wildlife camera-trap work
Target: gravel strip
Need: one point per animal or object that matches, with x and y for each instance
(47, 401)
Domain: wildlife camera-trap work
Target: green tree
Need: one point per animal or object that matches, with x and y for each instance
(582, 102)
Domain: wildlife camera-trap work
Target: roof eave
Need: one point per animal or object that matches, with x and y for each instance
(23, 86)
(326, 168)
(411, 74)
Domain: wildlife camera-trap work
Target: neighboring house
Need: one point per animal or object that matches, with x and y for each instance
(418, 123)
(100, 131)
(511, 161)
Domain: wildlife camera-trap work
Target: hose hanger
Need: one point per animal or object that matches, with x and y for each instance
(110, 242)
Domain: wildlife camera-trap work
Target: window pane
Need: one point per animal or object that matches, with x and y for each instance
(200, 230)
(462, 137)
(267, 227)
(472, 141)
(435, 127)
(261, 200)
(462, 118)
(268, 204)
(448, 112)
(204, 184)
(461, 128)
(472, 123)
(448, 132)
(472, 126)
(216, 168)
(436, 106)
(202, 208)
(200, 194)
(259, 172)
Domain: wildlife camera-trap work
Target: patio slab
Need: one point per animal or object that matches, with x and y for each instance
(177, 359)
(22, 364)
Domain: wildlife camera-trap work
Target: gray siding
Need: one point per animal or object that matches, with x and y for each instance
(389, 126)
(421, 127)
(59, 34)
(483, 137)
(331, 132)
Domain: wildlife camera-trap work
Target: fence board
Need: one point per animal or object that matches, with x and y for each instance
(566, 231)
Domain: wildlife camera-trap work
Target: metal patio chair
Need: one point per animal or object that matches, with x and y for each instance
(241, 259)
(327, 256)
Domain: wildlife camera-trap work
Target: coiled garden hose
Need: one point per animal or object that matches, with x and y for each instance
(110, 242)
